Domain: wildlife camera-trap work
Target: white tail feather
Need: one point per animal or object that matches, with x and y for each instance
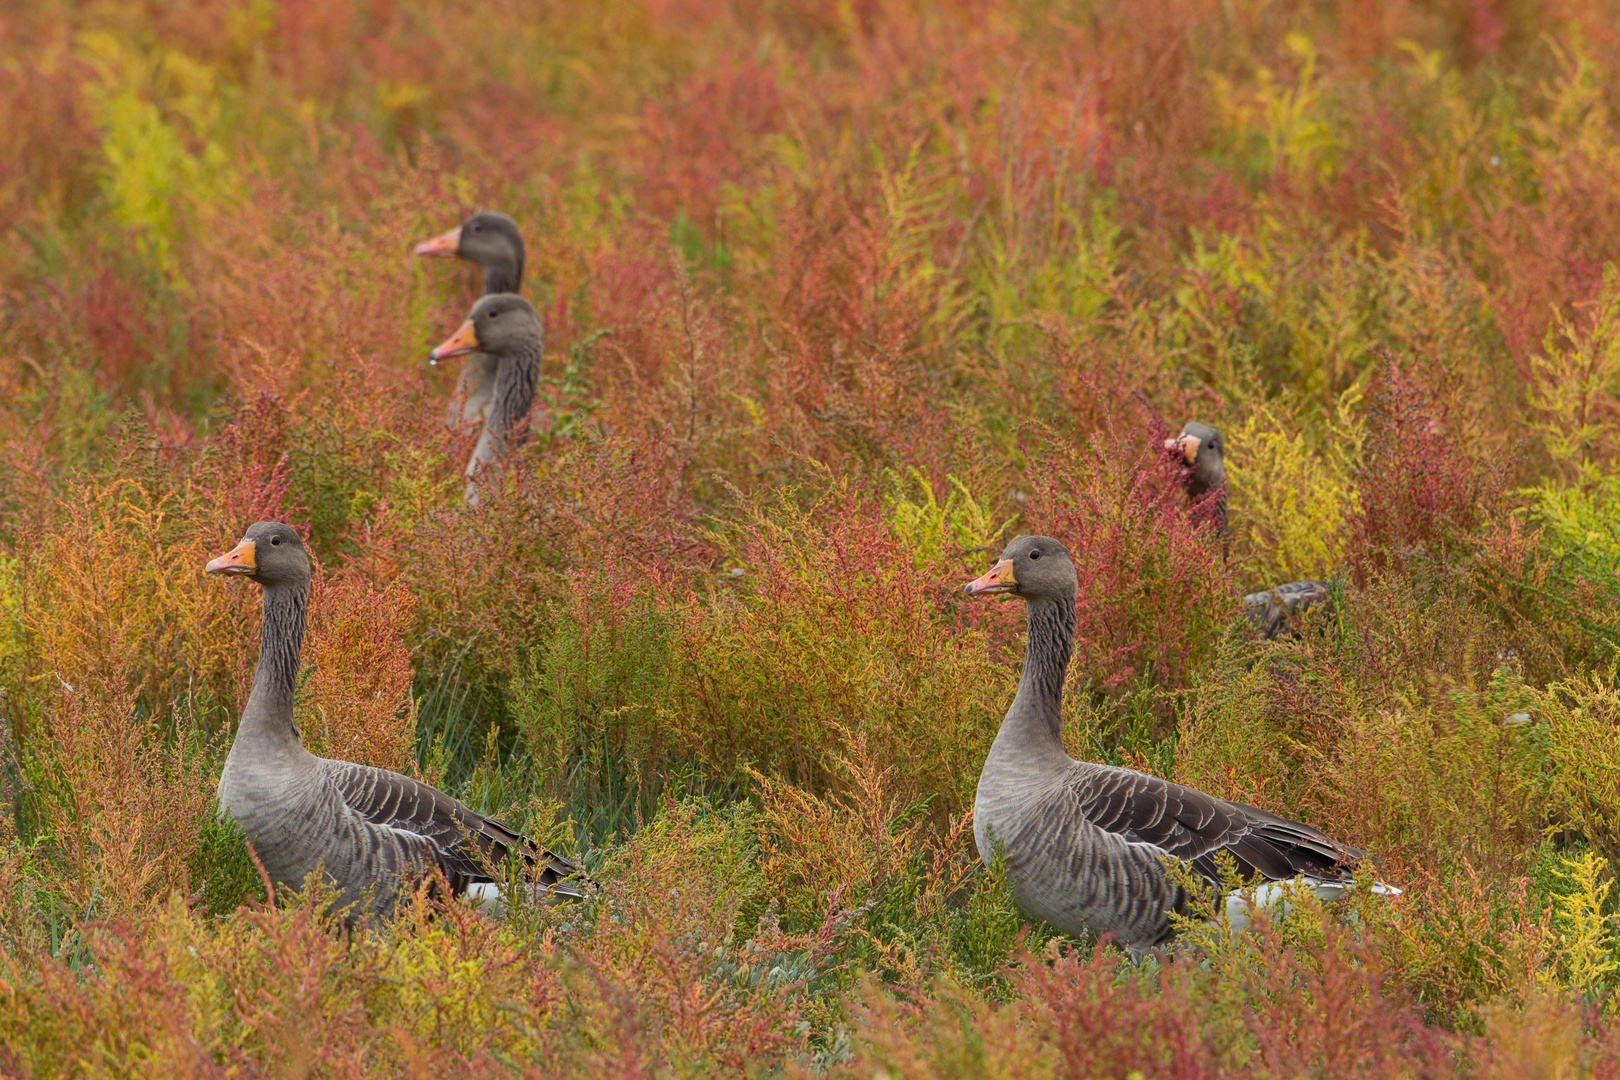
(485, 896)
(489, 897)
(1273, 896)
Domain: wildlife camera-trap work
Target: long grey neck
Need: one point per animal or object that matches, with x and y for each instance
(1033, 728)
(1204, 480)
(504, 276)
(1198, 487)
(514, 389)
(268, 717)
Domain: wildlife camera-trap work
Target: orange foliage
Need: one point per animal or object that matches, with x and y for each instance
(358, 705)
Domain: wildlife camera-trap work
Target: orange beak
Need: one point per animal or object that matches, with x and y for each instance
(460, 343)
(238, 560)
(444, 246)
(1187, 445)
(999, 579)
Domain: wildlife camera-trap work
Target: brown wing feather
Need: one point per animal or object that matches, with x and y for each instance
(1194, 827)
(464, 844)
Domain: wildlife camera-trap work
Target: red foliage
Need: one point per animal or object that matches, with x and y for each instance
(1154, 590)
(1329, 1010)
(1105, 1028)
(1421, 490)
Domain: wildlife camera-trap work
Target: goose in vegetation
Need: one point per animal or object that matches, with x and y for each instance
(494, 243)
(1084, 844)
(506, 328)
(1202, 451)
(1204, 455)
(369, 830)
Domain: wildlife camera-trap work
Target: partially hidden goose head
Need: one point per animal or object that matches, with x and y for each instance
(1202, 452)
(504, 324)
(270, 553)
(489, 239)
(1033, 568)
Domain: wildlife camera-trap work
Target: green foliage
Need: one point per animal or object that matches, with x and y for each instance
(1579, 587)
(595, 703)
(833, 625)
(222, 871)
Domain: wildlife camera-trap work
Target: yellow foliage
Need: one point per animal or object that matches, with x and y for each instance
(1297, 139)
(938, 534)
(1580, 520)
(1586, 934)
(1583, 724)
(447, 991)
(812, 847)
(158, 114)
(1577, 381)
(1289, 501)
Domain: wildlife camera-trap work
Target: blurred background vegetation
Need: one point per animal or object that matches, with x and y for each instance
(838, 297)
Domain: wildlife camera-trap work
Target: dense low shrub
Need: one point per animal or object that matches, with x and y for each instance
(838, 298)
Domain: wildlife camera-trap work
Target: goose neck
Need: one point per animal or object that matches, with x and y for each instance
(503, 276)
(268, 716)
(1034, 725)
(525, 353)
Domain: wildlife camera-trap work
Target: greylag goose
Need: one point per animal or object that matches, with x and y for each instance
(493, 242)
(1204, 454)
(369, 830)
(1202, 451)
(506, 328)
(1082, 843)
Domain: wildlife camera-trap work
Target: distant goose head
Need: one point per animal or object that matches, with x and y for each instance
(270, 553)
(1201, 449)
(501, 325)
(1035, 568)
(489, 239)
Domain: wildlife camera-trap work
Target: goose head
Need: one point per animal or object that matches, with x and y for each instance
(489, 239)
(498, 325)
(270, 553)
(1031, 567)
(1201, 449)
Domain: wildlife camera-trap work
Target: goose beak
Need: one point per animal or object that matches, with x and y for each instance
(999, 579)
(1187, 445)
(460, 343)
(444, 246)
(238, 560)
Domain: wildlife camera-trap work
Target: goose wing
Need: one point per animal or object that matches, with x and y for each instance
(1194, 827)
(465, 845)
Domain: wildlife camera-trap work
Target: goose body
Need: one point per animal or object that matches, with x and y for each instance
(493, 390)
(1271, 611)
(1276, 609)
(1084, 845)
(504, 327)
(369, 831)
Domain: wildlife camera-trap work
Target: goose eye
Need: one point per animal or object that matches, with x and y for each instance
(275, 541)
(1034, 554)
(494, 314)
